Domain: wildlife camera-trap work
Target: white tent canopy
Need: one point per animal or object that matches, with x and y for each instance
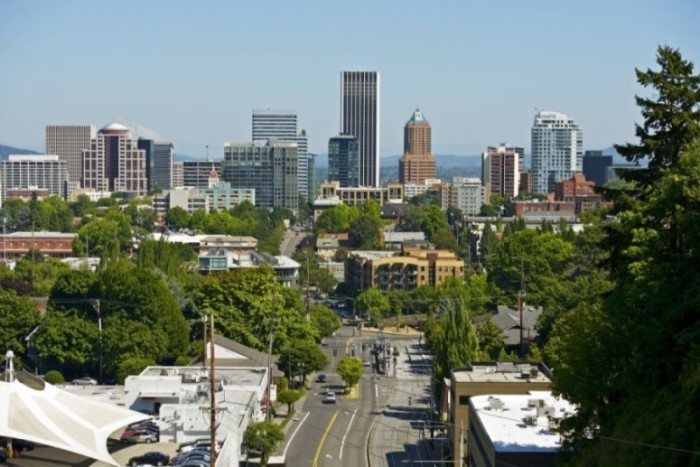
(60, 419)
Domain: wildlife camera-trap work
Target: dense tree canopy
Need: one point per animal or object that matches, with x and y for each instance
(631, 363)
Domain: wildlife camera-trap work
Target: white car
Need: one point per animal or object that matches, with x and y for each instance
(84, 381)
(329, 398)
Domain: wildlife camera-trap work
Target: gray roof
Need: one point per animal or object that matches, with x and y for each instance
(418, 118)
(253, 357)
(508, 320)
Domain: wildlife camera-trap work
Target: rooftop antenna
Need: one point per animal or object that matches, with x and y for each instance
(207, 146)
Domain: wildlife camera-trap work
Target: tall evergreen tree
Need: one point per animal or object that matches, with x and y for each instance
(632, 364)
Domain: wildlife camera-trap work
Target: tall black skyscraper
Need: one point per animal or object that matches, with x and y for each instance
(595, 167)
(359, 117)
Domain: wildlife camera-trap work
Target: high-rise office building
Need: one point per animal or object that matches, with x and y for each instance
(500, 170)
(195, 174)
(159, 163)
(274, 124)
(343, 161)
(68, 142)
(312, 177)
(281, 125)
(417, 163)
(113, 162)
(359, 117)
(23, 173)
(595, 166)
(269, 167)
(557, 150)
(178, 175)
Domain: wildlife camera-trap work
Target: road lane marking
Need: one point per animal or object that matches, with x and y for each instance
(376, 391)
(342, 443)
(284, 454)
(323, 438)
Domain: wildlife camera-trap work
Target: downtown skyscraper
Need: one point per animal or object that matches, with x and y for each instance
(281, 125)
(557, 150)
(359, 117)
(68, 142)
(417, 163)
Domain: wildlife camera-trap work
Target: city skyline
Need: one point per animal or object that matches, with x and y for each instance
(183, 84)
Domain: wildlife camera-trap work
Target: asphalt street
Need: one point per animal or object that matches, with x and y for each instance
(385, 425)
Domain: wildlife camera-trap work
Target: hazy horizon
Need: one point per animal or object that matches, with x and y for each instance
(192, 73)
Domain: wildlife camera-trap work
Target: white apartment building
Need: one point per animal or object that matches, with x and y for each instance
(23, 173)
(557, 150)
(466, 194)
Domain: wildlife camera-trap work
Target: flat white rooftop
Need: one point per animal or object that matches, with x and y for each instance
(519, 423)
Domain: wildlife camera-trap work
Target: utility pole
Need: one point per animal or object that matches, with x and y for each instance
(4, 241)
(269, 370)
(96, 304)
(204, 340)
(308, 297)
(212, 395)
(521, 299)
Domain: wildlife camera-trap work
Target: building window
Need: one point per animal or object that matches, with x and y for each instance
(463, 400)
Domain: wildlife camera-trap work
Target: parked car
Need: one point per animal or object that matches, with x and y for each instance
(138, 436)
(329, 398)
(3, 455)
(200, 456)
(153, 458)
(142, 423)
(84, 381)
(198, 445)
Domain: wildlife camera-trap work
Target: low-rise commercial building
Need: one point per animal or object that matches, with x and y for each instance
(515, 429)
(53, 244)
(481, 378)
(216, 260)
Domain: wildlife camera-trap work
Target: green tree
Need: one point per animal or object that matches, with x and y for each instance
(444, 239)
(301, 358)
(542, 258)
(457, 344)
(671, 117)
(262, 437)
(19, 316)
(289, 397)
(365, 232)
(350, 370)
(69, 342)
(132, 366)
(631, 364)
(433, 220)
(374, 304)
(412, 219)
(325, 320)
(490, 336)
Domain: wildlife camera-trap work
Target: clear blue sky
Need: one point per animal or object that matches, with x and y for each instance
(192, 71)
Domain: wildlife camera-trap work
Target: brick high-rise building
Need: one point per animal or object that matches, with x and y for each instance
(417, 163)
(500, 170)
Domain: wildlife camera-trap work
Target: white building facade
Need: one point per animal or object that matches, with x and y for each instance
(557, 150)
(39, 172)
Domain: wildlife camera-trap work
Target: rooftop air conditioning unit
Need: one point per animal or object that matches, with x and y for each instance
(530, 420)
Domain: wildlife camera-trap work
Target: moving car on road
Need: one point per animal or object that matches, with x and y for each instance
(84, 381)
(329, 398)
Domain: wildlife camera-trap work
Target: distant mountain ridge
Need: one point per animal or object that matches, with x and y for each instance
(7, 150)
